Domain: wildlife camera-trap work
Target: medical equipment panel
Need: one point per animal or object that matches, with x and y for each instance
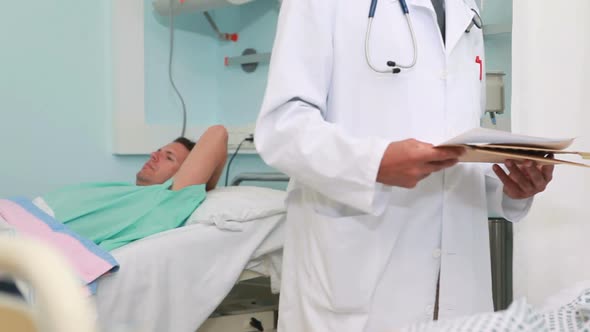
(495, 99)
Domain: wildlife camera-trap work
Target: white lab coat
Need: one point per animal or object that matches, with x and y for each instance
(361, 256)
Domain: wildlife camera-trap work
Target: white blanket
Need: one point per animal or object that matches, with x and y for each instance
(174, 280)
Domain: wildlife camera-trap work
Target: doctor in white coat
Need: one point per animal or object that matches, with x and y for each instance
(377, 217)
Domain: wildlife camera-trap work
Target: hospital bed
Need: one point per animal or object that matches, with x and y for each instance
(61, 304)
(201, 275)
(214, 274)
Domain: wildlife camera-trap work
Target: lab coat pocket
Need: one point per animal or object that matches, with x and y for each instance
(468, 80)
(350, 260)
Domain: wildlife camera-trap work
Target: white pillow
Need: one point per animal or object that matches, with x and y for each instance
(238, 204)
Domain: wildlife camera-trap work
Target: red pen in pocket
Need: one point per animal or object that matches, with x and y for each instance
(479, 61)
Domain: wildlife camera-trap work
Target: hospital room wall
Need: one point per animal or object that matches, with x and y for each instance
(551, 244)
(498, 13)
(213, 93)
(55, 97)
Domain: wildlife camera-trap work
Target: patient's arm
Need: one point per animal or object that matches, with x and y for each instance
(205, 162)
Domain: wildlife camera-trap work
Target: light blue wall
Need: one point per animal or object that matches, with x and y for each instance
(241, 93)
(55, 96)
(499, 46)
(195, 52)
(213, 92)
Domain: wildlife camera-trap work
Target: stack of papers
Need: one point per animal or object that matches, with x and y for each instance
(495, 146)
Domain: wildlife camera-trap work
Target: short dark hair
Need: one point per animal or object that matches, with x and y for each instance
(187, 143)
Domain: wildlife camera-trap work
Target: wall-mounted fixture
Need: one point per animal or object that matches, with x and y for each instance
(221, 35)
(249, 60)
(191, 6)
(495, 99)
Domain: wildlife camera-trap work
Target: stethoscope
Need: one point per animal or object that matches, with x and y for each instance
(395, 67)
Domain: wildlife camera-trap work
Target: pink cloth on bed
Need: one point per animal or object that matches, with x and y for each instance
(87, 259)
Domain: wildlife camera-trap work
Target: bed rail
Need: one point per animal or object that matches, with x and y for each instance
(263, 177)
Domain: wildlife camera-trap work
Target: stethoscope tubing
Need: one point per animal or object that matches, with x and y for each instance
(393, 69)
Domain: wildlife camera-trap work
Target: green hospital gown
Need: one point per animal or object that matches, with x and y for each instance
(114, 214)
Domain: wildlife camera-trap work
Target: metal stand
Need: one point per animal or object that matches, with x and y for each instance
(501, 246)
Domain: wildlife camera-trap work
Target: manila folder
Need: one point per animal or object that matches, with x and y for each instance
(495, 146)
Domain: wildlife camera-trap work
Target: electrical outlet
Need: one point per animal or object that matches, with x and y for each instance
(237, 135)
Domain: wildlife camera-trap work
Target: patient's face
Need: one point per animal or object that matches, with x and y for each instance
(162, 165)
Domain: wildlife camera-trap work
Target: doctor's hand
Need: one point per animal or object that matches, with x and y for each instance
(407, 162)
(525, 179)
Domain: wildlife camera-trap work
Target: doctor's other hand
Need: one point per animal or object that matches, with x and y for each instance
(407, 162)
(525, 179)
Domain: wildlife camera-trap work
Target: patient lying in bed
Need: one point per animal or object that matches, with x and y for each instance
(168, 188)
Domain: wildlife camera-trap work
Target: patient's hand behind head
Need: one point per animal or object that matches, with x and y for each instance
(163, 164)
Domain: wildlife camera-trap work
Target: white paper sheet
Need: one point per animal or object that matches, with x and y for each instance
(491, 136)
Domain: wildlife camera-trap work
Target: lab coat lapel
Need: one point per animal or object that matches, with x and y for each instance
(427, 5)
(459, 15)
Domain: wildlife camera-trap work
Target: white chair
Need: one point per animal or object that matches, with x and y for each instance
(60, 303)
